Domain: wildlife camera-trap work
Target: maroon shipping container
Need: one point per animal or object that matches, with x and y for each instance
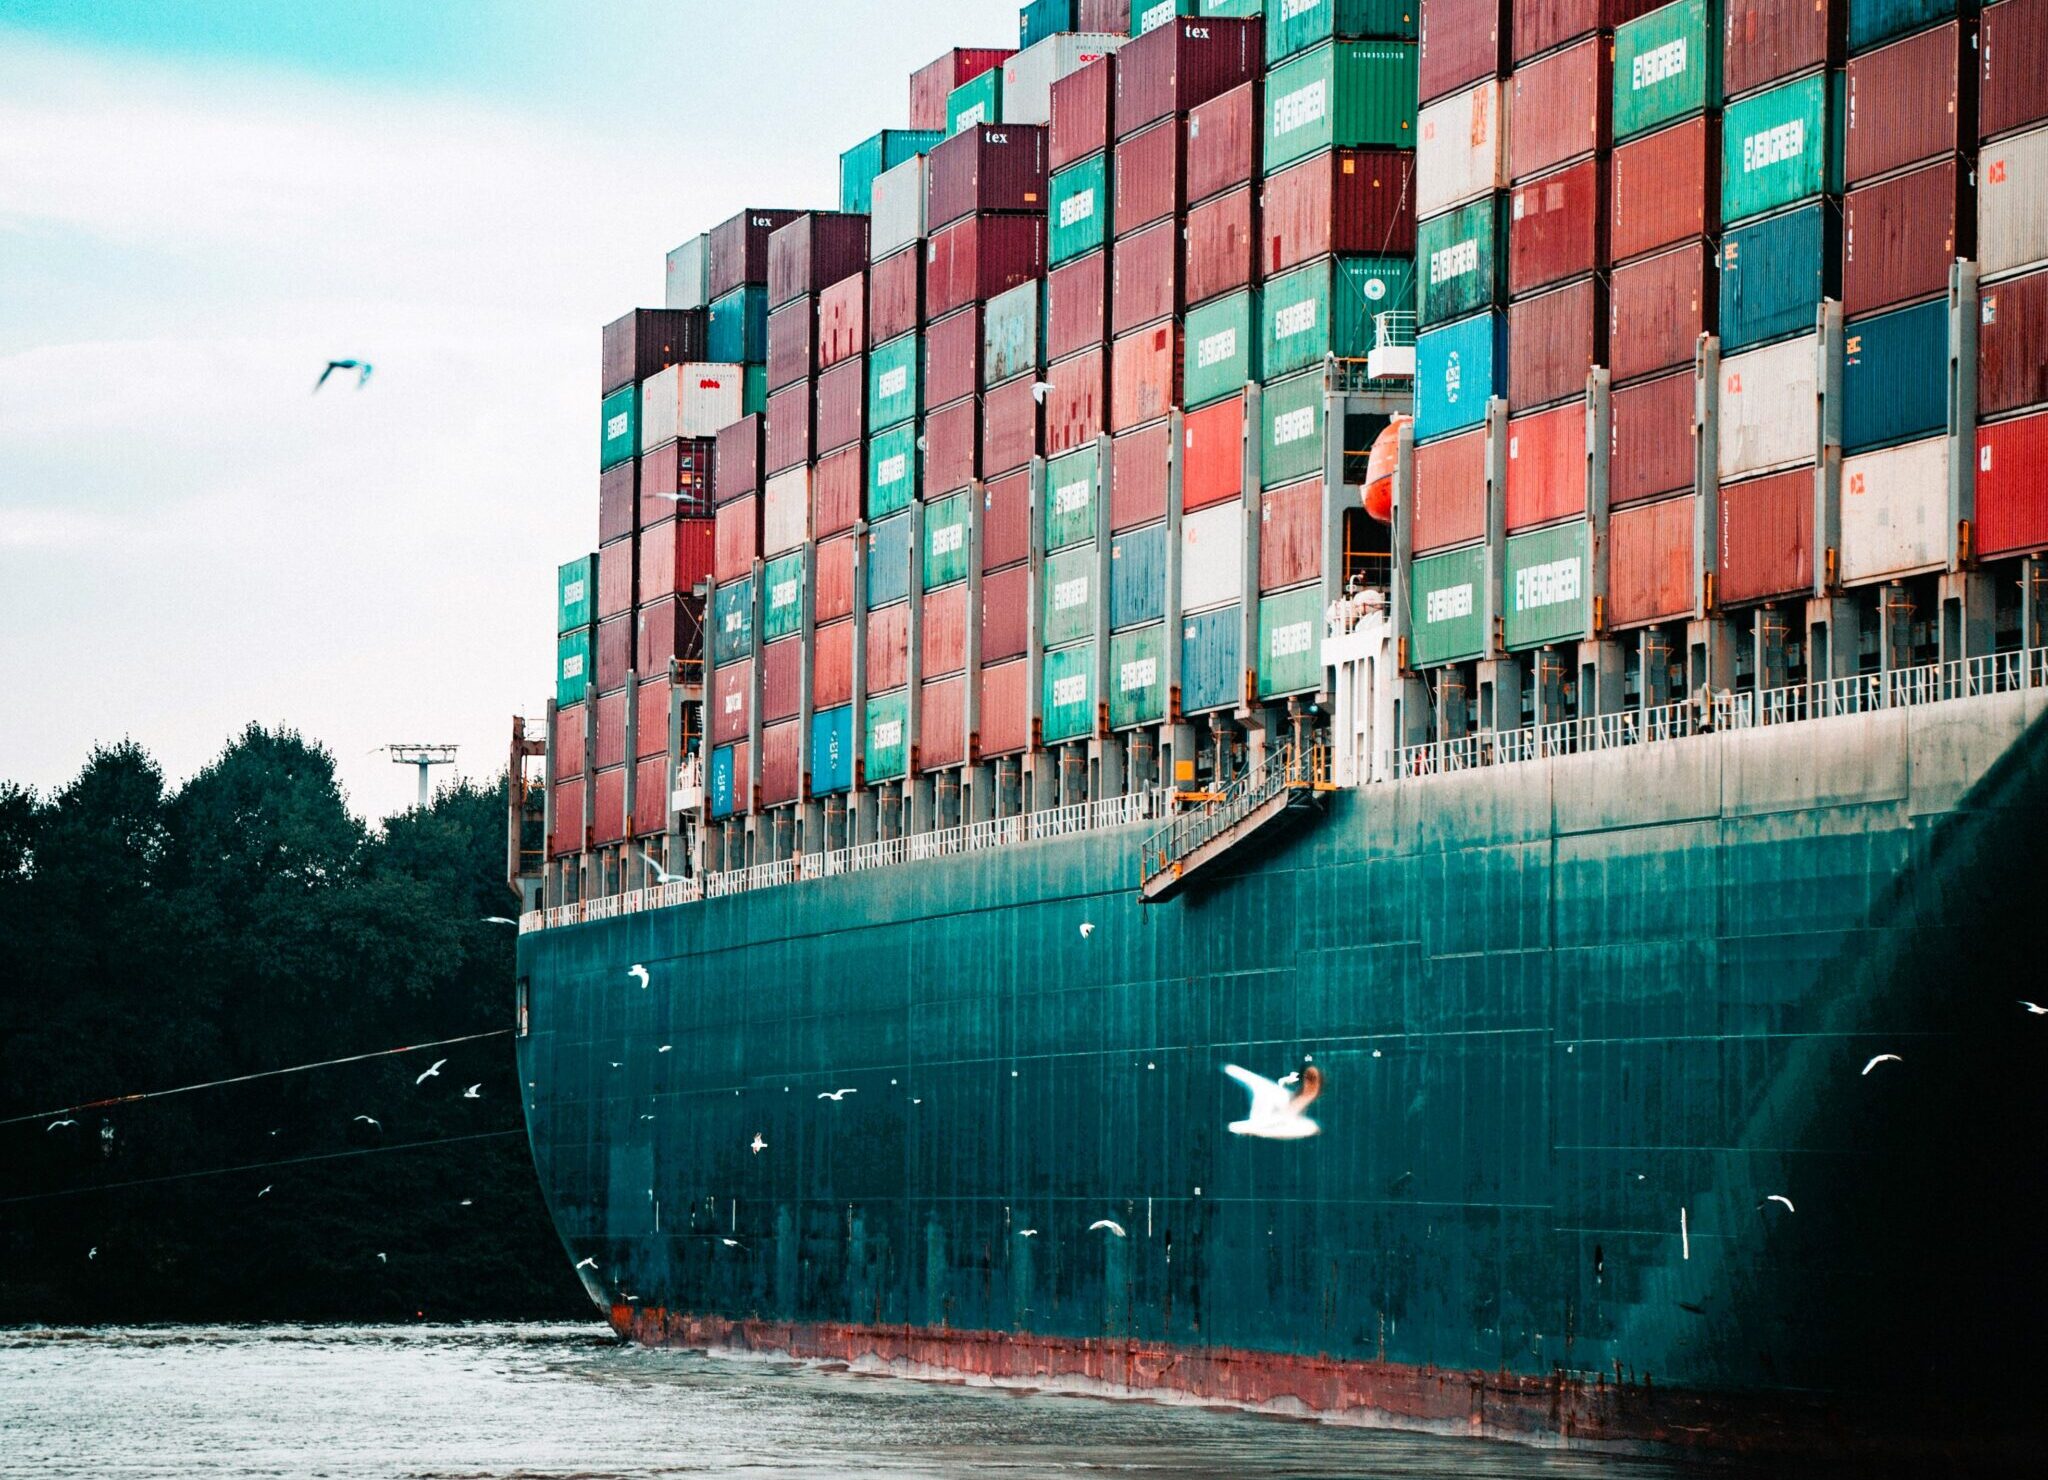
(843, 320)
(1144, 375)
(952, 456)
(1080, 113)
(813, 252)
(1105, 17)
(792, 343)
(1006, 520)
(836, 486)
(1557, 227)
(896, 294)
(1562, 108)
(1077, 305)
(1554, 340)
(739, 248)
(2012, 52)
(1223, 142)
(1651, 439)
(1347, 200)
(1650, 563)
(611, 728)
(1546, 466)
(1657, 309)
(614, 650)
(647, 341)
(789, 428)
(1291, 535)
(1907, 104)
(832, 665)
(1212, 455)
(2012, 485)
(615, 571)
(736, 459)
(650, 797)
(1006, 614)
(942, 632)
(2012, 344)
(1076, 404)
(952, 356)
(973, 260)
(1766, 537)
(675, 479)
(650, 718)
(782, 679)
(1145, 277)
(1900, 235)
(1183, 64)
(1462, 43)
(732, 692)
(1005, 711)
(931, 84)
(670, 628)
(1450, 491)
(568, 837)
(1140, 470)
(842, 404)
(1151, 176)
(1009, 425)
(988, 168)
(1542, 24)
(608, 806)
(1223, 246)
(942, 723)
(618, 499)
(567, 739)
(736, 542)
(781, 764)
(1666, 188)
(675, 556)
(836, 560)
(1766, 41)
(888, 648)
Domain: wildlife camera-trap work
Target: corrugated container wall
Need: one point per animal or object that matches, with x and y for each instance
(1178, 66)
(2012, 345)
(2012, 203)
(2012, 59)
(1461, 43)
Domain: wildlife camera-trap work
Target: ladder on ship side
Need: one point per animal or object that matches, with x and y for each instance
(1264, 803)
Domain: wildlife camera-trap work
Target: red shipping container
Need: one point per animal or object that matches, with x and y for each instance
(568, 836)
(842, 404)
(1077, 305)
(843, 320)
(1080, 113)
(650, 797)
(1291, 535)
(789, 428)
(1145, 277)
(973, 260)
(1223, 142)
(669, 628)
(1005, 613)
(2012, 344)
(836, 486)
(1151, 175)
(792, 343)
(942, 632)
(1140, 471)
(1144, 375)
(566, 736)
(1183, 64)
(675, 555)
(616, 564)
(1554, 341)
(1006, 520)
(832, 665)
(737, 539)
(1766, 538)
(1212, 455)
(1905, 104)
(888, 647)
(1666, 188)
(1650, 563)
(933, 83)
(2012, 485)
(1546, 467)
(1462, 43)
(1223, 246)
(896, 294)
(1542, 24)
(614, 650)
(836, 561)
(1075, 405)
(1657, 309)
(647, 341)
(608, 807)
(1562, 108)
(813, 252)
(1005, 710)
(1900, 236)
(1651, 443)
(952, 457)
(942, 723)
(618, 498)
(1764, 41)
(1557, 227)
(650, 718)
(1105, 17)
(985, 169)
(1347, 200)
(952, 356)
(1009, 425)
(739, 248)
(732, 697)
(782, 679)
(2012, 56)
(781, 764)
(610, 749)
(1450, 491)
(736, 459)
(675, 479)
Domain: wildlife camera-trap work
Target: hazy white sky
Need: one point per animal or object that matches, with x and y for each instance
(200, 203)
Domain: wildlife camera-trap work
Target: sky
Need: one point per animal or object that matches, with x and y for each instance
(202, 201)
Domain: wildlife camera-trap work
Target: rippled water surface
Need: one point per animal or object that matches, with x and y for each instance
(504, 1401)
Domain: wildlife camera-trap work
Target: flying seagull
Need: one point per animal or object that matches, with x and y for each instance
(55, 1123)
(639, 973)
(432, 1070)
(1040, 389)
(93, 1252)
(2035, 1008)
(661, 875)
(837, 1094)
(266, 1191)
(498, 920)
(361, 367)
(1276, 1109)
(758, 1145)
(731, 1243)
(1087, 928)
(1883, 1058)
(1027, 1233)
(474, 1092)
(371, 1120)
(1779, 1197)
(382, 1260)
(586, 1264)
(466, 1202)
(1111, 1224)
(665, 1048)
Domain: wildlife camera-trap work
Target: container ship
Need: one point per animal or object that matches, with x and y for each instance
(1333, 707)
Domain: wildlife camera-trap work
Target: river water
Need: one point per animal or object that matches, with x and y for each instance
(567, 1401)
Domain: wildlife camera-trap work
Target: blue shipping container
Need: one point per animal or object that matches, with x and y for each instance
(1457, 368)
(721, 781)
(888, 556)
(1042, 18)
(1875, 21)
(1212, 660)
(1774, 273)
(737, 332)
(1137, 577)
(732, 622)
(832, 751)
(859, 165)
(1895, 376)
(1013, 333)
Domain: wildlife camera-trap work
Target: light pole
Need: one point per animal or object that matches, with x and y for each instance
(426, 757)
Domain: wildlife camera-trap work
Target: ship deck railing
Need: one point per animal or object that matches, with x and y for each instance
(1288, 771)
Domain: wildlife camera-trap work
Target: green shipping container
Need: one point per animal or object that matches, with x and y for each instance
(1150, 15)
(894, 387)
(732, 622)
(859, 165)
(619, 427)
(1297, 25)
(782, 586)
(1290, 645)
(1069, 611)
(945, 542)
(1326, 308)
(1069, 704)
(1461, 261)
(1346, 95)
(1780, 147)
(892, 470)
(1291, 430)
(1667, 66)
(1872, 22)
(1232, 9)
(1042, 18)
(576, 594)
(977, 101)
(1446, 610)
(1544, 587)
(885, 751)
(1012, 333)
(737, 331)
(1071, 483)
(754, 391)
(1222, 348)
(1137, 677)
(572, 667)
(1079, 213)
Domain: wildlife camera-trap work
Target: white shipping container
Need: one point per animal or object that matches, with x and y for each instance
(1212, 557)
(785, 511)
(1895, 511)
(1461, 149)
(896, 215)
(1029, 75)
(1770, 408)
(2012, 204)
(689, 274)
(689, 401)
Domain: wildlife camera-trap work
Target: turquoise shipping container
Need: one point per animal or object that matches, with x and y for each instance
(723, 778)
(1775, 272)
(892, 470)
(1291, 430)
(1222, 349)
(977, 101)
(1461, 260)
(1069, 699)
(572, 668)
(1212, 660)
(618, 427)
(732, 622)
(737, 332)
(1137, 577)
(1344, 95)
(1458, 367)
(576, 594)
(859, 165)
(888, 560)
(1013, 333)
(832, 751)
(1078, 209)
(895, 386)
(1137, 677)
(1873, 22)
(782, 589)
(1290, 643)
(1239, 10)
(1895, 376)
(1782, 146)
(1299, 25)
(1072, 482)
(1150, 15)
(1042, 18)
(1068, 613)
(1446, 612)
(1545, 591)
(1326, 308)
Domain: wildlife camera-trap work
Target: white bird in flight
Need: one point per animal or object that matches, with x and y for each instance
(1040, 389)
(1111, 1224)
(381, 1259)
(474, 1092)
(361, 367)
(1027, 1233)
(1276, 1110)
(498, 920)
(639, 972)
(838, 1094)
(586, 1264)
(431, 1071)
(55, 1123)
(731, 1243)
(466, 1202)
(266, 1191)
(1883, 1058)
(1779, 1197)
(2035, 1008)
(661, 875)
(758, 1145)
(371, 1120)
(93, 1252)
(1087, 928)
(665, 1048)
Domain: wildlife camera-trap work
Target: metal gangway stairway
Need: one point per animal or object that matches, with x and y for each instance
(1265, 803)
